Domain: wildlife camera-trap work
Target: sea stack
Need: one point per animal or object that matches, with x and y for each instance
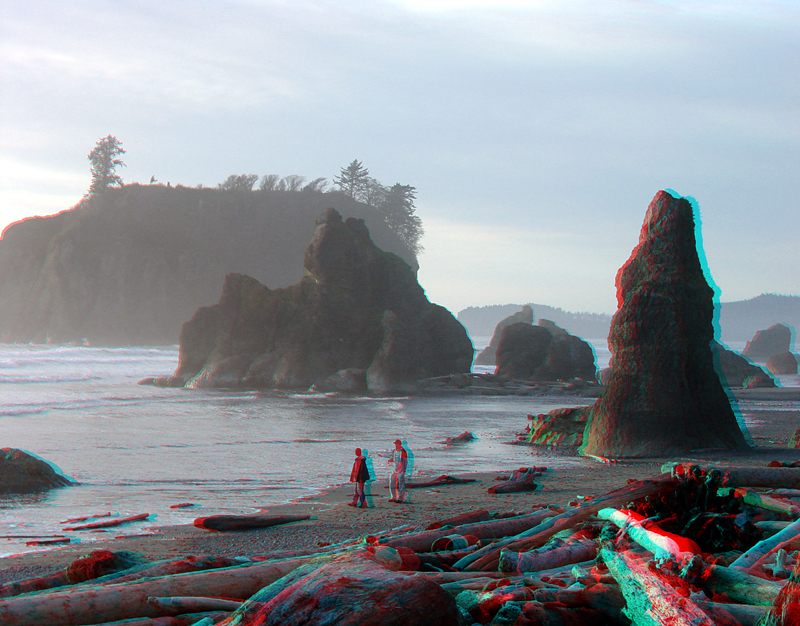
(489, 353)
(663, 395)
(358, 316)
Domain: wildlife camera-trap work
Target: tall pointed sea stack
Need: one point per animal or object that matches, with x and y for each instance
(663, 395)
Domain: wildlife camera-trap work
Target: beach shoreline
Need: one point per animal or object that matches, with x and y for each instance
(332, 521)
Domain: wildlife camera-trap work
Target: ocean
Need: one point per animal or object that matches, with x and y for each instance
(140, 449)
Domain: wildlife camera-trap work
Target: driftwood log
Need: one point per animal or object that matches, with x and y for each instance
(521, 480)
(107, 603)
(110, 523)
(649, 600)
(246, 522)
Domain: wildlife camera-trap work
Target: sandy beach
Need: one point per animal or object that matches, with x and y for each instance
(333, 521)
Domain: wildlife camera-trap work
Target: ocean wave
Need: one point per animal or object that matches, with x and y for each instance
(25, 380)
(23, 410)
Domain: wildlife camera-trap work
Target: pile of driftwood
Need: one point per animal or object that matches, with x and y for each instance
(690, 546)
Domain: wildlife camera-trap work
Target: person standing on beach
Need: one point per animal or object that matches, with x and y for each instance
(359, 476)
(397, 482)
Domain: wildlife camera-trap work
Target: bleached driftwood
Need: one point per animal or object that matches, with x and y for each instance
(536, 537)
(649, 535)
(553, 554)
(764, 477)
(649, 600)
(520, 481)
(110, 523)
(421, 542)
(107, 603)
(762, 501)
(176, 605)
(442, 480)
(739, 586)
(756, 554)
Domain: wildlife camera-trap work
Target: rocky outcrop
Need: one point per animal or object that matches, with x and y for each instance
(663, 394)
(737, 371)
(774, 340)
(542, 353)
(357, 308)
(488, 355)
(131, 266)
(783, 363)
(21, 472)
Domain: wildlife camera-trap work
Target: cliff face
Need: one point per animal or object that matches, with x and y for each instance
(130, 267)
(359, 311)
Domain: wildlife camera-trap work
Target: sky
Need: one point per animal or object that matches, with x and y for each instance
(535, 132)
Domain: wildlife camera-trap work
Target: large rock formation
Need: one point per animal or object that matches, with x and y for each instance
(357, 308)
(738, 371)
(544, 353)
(131, 266)
(488, 355)
(783, 363)
(21, 472)
(774, 340)
(663, 395)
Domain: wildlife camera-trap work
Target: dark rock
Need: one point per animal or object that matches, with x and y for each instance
(663, 395)
(758, 381)
(774, 340)
(522, 350)
(783, 363)
(568, 357)
(357, 591)
(541, 354)
(556, 331)
(21, 472)
(357, 308)
(488, 355)
(734, 369)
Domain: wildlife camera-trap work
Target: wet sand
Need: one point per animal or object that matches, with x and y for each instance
(333, 521)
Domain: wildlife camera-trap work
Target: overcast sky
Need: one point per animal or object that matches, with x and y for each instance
(535, 132)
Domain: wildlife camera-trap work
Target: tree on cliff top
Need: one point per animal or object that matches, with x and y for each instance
(104, 163)
(353, 179)
(398, 210)
(240, 182)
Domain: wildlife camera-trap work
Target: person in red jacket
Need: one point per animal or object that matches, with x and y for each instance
(359, 476)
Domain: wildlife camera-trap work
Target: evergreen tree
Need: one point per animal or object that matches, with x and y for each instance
(353, 179)
(104, 163)
(398, 209)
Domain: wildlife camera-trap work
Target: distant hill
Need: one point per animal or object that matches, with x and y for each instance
(738, 321)
(481, 321)
(130, 267)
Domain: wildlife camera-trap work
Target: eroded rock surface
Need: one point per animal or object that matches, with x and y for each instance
(357, 308)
